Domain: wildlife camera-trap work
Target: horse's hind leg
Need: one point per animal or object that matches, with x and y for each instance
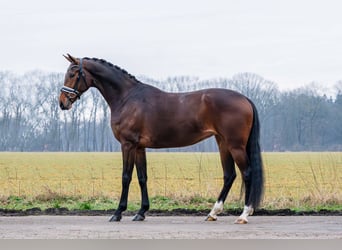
(229, 176)
(242, 161)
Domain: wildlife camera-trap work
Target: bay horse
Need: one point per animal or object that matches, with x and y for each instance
(143, 116)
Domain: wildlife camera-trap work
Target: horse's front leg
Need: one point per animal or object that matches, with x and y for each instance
(140, 162)
(128, 157)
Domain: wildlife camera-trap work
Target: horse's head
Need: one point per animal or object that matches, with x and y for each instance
(75, 83)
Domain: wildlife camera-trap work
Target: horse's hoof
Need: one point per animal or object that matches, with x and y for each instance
(210, 218)
(115, 218)
(241, 221)
(138, 217)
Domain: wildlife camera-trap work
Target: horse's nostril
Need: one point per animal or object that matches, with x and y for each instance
(61, 105)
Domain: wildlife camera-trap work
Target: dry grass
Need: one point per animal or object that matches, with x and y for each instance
(292, 179)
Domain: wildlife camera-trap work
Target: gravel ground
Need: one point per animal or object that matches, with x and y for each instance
(170, 227)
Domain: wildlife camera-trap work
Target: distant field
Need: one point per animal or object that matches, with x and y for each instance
(292, 179)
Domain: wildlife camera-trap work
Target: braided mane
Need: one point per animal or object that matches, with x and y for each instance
(115, 67)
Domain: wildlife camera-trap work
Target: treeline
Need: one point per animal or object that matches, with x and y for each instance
(304, 119)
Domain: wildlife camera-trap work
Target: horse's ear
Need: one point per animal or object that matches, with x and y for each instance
(71, 58)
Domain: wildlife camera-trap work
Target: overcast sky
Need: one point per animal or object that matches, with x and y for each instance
(291, 42)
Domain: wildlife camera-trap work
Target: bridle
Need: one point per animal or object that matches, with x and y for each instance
(74, 90)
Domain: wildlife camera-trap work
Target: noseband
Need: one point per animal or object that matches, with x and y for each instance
(74, 90)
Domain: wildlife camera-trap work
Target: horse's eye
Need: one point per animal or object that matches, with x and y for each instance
(71, 75)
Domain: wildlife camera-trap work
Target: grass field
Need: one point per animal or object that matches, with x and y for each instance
(293, 180)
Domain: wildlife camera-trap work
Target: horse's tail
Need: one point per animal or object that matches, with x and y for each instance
(255, 163)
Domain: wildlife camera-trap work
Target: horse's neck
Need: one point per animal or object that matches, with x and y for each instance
(114, 89)
(113, 83)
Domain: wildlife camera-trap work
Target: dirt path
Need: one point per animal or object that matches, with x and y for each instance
(170, 227)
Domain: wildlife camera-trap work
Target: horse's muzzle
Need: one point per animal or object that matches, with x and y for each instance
(64, 107)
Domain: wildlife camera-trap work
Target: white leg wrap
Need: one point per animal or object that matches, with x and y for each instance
(247, 210)
(218, 208)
